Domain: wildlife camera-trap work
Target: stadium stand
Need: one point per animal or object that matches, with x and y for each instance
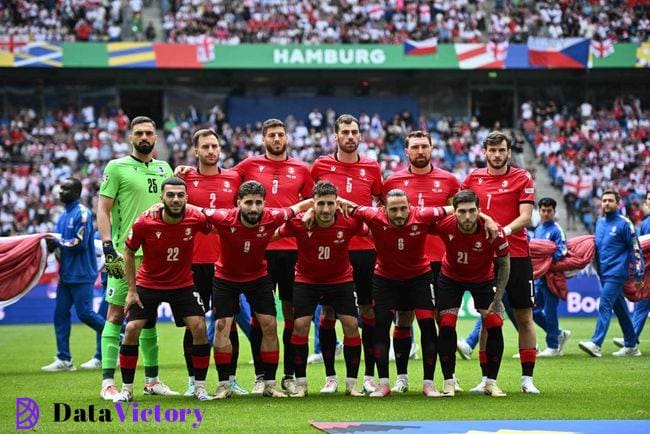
(588, 149)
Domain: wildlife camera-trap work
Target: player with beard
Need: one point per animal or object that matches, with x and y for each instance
(244, 234)
(402, 278)
(425, 186)
(357, 179)
(131, 185)
(507, 194)
(324, 274)
(467, 264)
(209, 186)
(165, 275)
(286, 181)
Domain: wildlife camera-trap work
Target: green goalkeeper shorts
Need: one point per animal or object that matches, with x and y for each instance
(116, 289)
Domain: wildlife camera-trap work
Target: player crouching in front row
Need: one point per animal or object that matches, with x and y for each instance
(164, 276)
(467, 264)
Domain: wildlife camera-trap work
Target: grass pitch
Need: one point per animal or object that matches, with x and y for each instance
(573, 387)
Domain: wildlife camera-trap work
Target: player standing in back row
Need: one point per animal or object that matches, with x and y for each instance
(287, 181)
(507, 194)
(131, 185)
(357, 179)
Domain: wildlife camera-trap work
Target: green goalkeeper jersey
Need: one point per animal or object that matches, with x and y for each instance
(134, 186)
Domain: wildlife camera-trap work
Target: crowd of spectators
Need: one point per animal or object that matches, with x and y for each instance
(72, 20)
(590, 148)
(618, 20)
(326, 21)
(38, 152)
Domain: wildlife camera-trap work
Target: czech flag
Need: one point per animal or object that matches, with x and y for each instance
(419, 48)
(568, 53)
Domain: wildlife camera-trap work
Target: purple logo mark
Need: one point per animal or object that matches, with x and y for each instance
(27, 413)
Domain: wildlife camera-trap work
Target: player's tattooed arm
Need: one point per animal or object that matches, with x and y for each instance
(132, 297)
(503, 263)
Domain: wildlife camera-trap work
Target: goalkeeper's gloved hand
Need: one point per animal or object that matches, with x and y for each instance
(114, 262)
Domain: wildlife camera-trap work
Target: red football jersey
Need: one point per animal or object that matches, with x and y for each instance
(400, 251)
(435, 188)
(167, 249)
(323, 252)
(242, 248)
(356, 182)
(500, 197)
(287, 182)
(469, 257)
(214, 191)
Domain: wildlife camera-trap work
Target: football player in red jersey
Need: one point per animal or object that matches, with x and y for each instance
(324, 274)
(165, 275)
(286, 181)
(357, 179)
(425, 185)
(507, 194)
(402, 278)
(209, 186)
(467, 264)
(244, 233)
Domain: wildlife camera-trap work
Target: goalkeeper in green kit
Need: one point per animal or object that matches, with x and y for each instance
(130, 186)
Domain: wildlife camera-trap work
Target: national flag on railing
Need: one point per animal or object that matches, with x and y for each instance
(570, 53)
(602, 49)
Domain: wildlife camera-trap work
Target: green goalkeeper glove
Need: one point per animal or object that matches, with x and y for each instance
(114, 262)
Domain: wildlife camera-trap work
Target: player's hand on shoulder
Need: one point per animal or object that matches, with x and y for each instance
(491, 230)
(308, 218)
(345, 206)
(154, 210)
(182, 170)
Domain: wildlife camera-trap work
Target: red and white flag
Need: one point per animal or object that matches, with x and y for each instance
(482, 56)
(602, 49)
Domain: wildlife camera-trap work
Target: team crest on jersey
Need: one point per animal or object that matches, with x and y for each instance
(105, 179)
(261, 229)
(158, 234)
(161, 170)
(226, 184)
(504, 184)
(261, 168)
(478, 245)
(362, 172)
(339, 234)
(613, 231)
(414, 228)
(406, 183)
(436, 184)
(196, 183)
(188, 234)
(291, 170)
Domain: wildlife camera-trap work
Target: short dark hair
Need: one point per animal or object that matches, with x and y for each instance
(250, 188)
(204, 132)
(647, 193)
(417, 134)
(142, 120)
(614, 192)
(547, 201)
(174, 180)
(396, 192)
(495, 138)
(344, 119)
(271, 123)
(465, 196)
(324, 188)
(75, 185)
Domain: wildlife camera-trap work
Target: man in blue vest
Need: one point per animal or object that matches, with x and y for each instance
(77, 271)
(616, 248)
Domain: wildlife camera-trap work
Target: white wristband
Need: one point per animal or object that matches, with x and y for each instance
(507, 231)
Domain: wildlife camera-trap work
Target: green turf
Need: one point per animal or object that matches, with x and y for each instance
(573, 387)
